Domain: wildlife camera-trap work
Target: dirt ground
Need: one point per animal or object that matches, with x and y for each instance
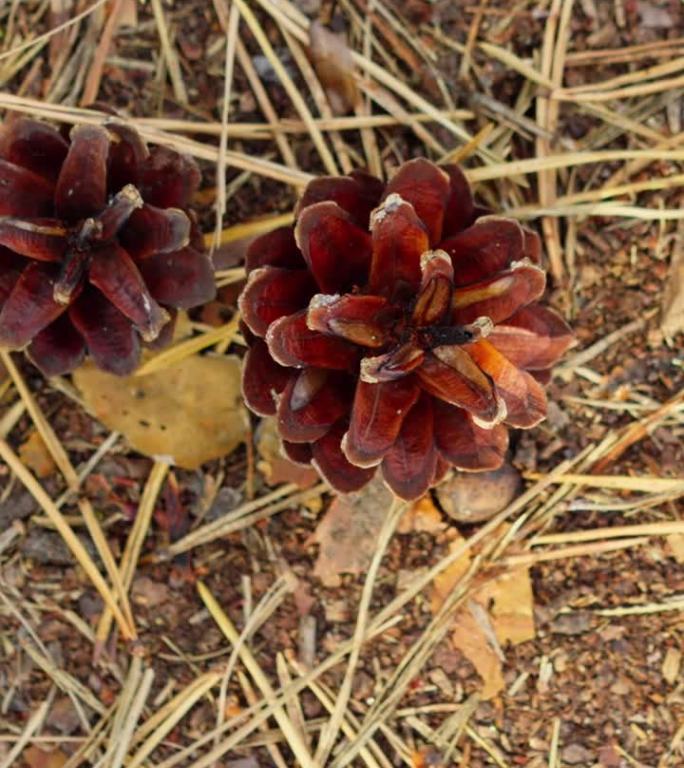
(598, 681)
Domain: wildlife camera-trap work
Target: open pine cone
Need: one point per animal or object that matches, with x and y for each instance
(97, 247)
(410, 343)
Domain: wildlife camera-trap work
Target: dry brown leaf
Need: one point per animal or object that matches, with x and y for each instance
(671, 665)
(334, 66)
(675, 543)
(39, 758)
(35, 455)
(672, 320)
(276, 468)
(185, 414)
(508, 601)
(128, 15)
(348, 533)
(469, 638)
(422, 516)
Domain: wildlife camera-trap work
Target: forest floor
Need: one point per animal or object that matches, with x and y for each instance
(236, 614)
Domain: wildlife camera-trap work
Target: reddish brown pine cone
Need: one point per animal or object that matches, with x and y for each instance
(398, 326)
(97, 247)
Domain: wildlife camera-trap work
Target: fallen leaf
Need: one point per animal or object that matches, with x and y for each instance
(421, 517)
(38, 758)
(578, 754)
(503, 605)
(469, 638)
(653, 17)
(35, 455)
(146, 591)
(510, 601)
(474, 497)
(63, 715)
(446, 580)
(348, 533)
(276, 468)
(675, 543)
(672, 318)
(671, 665)
(128, 16)
(334, 66)
(186, 414)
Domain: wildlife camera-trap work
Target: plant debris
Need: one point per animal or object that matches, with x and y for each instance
(186, 414)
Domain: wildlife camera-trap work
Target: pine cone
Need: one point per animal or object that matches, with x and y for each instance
(410, 343)
(97, 246)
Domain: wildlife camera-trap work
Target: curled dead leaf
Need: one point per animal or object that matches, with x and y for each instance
(421, 517)
(273, 465)
(334, 66)
(34, 757)
(348, 533)
(498, 612)
(186, 414)
(35, 455)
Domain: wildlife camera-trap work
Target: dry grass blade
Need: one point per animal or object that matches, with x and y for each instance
(205, 682)
(517, 64)
(9, 535)
(92, 743)
(92, 84)
(229, 65)
(170, 56)
(258, 165)
(166, 719)
(392, 691)
(50, 439)
(50, 33)
(261, 713)
(246, 514)
(599, 347)
(261, 95)
(184, 349)
(289, 86)
(292, 734)
(330, 732)
(372, 755)
(579, 550)
(637, 76)
(618, 190)
(251, 696)
(626, 53)
(604, 210)
(73, 481)
(638, 430)
(616, 532)
(11, 417)
(320, 97)
(297, 24)
(62, 679)
(123, 736)
(67, 534)
(249, 229)
(620, 482)
(568, 160)
(270, 601)
(136, 537)
(286, 125)
(676, 604)
(666, 84)
(33, 725)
